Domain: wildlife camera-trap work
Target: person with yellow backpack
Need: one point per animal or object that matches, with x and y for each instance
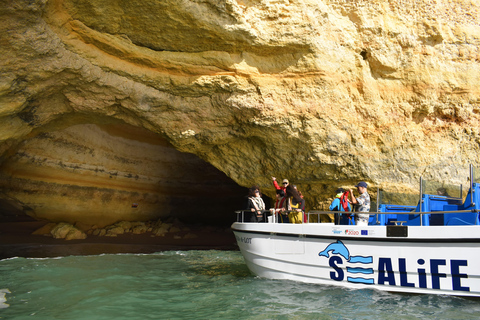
(295, 203)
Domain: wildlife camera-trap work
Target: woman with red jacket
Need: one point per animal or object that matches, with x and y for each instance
(279, 209)
(284, 184)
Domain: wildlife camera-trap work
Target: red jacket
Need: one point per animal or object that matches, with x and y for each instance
(275, 184)
(279, 204)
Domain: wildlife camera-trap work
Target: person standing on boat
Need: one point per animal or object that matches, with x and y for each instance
(338, 204)
(361, 203)
(300, 194)
(284, 184)
(255, 204)
(279, 209)
(295, 203)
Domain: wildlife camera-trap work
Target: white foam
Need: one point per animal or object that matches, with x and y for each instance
(3, 298)
(12, 258)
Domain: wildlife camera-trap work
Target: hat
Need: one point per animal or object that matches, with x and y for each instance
(361, 184)
(285, 180)
(340, 190)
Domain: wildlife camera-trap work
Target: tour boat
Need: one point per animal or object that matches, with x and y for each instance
(431, 248)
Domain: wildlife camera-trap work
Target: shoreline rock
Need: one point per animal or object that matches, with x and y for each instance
(156, 228)
(67, 231)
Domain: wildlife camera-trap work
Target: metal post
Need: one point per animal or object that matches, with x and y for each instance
(378, 204)
(421, 201)
(471, 185)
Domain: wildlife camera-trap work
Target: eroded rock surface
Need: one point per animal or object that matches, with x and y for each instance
(324, 93)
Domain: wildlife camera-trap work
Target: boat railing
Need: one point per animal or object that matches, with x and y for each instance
(267, 216)
(457, 217)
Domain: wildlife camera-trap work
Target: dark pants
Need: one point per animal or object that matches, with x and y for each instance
(254, 217)
(337, 218)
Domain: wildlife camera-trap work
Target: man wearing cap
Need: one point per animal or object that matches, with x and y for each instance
(362, 204)
(284, 184)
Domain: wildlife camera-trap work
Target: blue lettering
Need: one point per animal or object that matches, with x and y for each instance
(385, 265)
(422, 275)
(402, 268)
(434, 263)
(386, 274)
(457, 276)
(338, 275)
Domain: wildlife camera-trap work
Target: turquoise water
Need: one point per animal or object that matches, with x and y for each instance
(193, 285)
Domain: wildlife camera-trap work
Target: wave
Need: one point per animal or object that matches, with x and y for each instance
(3, 298)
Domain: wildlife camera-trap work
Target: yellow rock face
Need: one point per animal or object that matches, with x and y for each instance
(324, 93)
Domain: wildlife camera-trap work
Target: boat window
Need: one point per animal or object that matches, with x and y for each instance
(443, 189)
(476, 175)
(397, 198)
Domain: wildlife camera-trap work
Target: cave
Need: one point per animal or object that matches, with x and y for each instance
(101, 171)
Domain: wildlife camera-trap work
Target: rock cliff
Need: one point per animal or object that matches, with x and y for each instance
(104, 104)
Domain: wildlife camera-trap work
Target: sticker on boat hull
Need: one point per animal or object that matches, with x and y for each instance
(360, 269)
(361, 272)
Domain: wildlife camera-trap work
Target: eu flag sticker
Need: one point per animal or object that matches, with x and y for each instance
(364, 232)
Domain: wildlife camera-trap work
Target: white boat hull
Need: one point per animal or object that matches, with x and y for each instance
(437, 259)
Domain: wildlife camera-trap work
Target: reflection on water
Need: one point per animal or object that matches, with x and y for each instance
(194, 285)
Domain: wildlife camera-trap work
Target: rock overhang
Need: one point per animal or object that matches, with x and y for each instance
(251, 97)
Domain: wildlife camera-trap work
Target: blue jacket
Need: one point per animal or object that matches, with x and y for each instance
(336, 204)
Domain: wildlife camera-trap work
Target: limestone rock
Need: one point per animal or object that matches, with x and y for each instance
(139, 229)
(99, 232)
(67, 231)
(45, 230)
(83, 226)
(113, 111)
(125, 225)
(160, 231)
(75, 234)
(114, 230)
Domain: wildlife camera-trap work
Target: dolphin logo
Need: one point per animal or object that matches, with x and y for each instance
(336, 248)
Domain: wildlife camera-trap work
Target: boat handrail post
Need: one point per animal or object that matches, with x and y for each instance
(238, 215)
(471, 186)
(378, 205)
(420, 203)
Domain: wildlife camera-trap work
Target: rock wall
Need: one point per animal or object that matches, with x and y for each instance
(324, 93)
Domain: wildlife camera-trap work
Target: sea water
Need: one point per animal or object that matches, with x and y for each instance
(194, 285)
